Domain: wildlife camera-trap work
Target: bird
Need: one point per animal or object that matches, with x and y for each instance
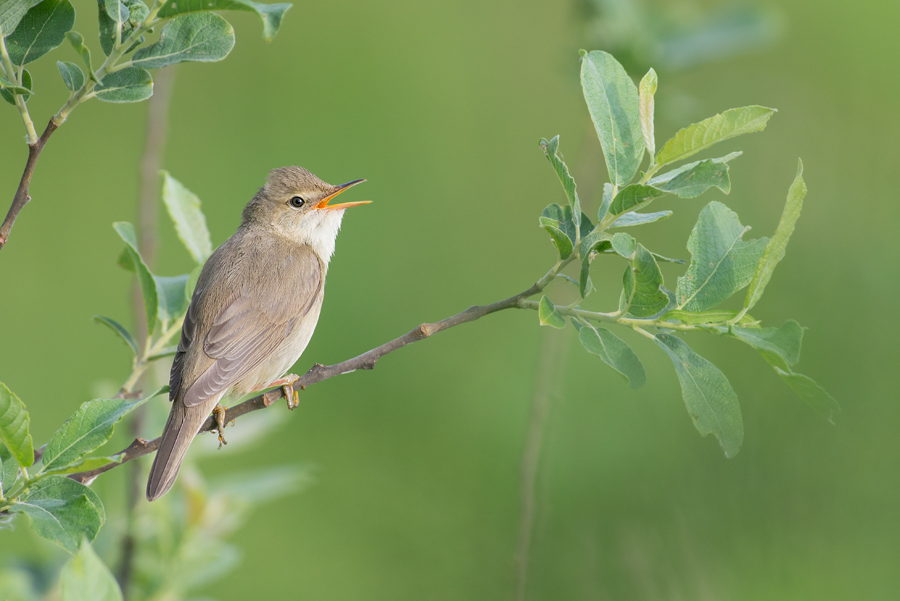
(254, 309)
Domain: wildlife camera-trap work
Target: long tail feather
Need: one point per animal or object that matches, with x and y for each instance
(182, 426)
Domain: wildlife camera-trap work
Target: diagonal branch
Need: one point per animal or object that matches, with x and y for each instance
(21, 198)
(319, 372)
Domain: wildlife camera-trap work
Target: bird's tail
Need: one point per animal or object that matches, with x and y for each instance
(182, 426)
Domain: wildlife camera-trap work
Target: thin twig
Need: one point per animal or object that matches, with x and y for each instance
(21, 198)
(84, 93)
(154, 145)
(320, 373)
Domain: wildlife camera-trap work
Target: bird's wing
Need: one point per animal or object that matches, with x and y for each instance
(253, 320)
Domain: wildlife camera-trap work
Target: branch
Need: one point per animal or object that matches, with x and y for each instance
(21, 198)
(154, 146)
(84, 93)
(320, 373)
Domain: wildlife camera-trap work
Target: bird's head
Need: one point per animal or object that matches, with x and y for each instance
(295, 203)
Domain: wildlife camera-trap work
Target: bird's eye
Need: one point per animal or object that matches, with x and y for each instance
(297, 202)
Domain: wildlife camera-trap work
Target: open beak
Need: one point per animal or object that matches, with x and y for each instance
(323, 204)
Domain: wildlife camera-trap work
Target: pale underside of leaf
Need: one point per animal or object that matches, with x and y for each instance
(132, 84)
(613, 103)
(551, 151)
(700, 136)
(615, 352)
(775, 249)
(270, 14)
(548, 315)
(709, 397)
(190, 223)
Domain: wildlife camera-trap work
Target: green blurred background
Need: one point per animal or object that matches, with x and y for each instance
(417, 485)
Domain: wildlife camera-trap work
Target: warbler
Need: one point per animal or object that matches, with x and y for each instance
(254, 309)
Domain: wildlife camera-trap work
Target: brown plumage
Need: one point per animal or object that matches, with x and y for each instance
(255, 307)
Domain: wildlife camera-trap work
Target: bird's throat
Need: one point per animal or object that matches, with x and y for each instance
(319, 230)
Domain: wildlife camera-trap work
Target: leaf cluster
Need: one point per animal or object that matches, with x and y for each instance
(188, 31)
(180, 547)
(722, 261)
(61, 509)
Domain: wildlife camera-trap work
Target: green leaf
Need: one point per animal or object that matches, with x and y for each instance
(593, 242)
(77, 42)
(710, 400)
(632, 198)
(642, 293)
(42, 29)
(84, 464)
(145, 278)
(11, 12)
(88, 429)
(706, 317)
(700, 136)
(116, 10)
(647, 89)
(72, 75)
(9, 469)
(779, 346)
(9, 90)
(558, 222)
(721, 262)
(202, 37)
(107, 30)
(119, 329)
(86, 578)
(13, 87)
(612, 101)
(139, 12)
(63, 511)
(548, 315)
(694, 179)
(605, 202)
(190, 223)
(270, 14)
(585, 286)
(812, 394)
(623, 244)
(131, 84)
(560, 240)
(14, 424)
(117, 16)
(171, 294)
(551, 151)
(632, 219)
(615, 352)
(774, 251)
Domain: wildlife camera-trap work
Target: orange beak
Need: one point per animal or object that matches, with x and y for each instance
(323, 204)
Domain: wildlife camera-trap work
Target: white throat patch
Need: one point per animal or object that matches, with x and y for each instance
(319, 230)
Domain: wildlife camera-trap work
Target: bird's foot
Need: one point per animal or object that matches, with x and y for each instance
(287, 387)
(218, 413)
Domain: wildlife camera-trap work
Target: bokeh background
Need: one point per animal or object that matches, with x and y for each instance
(415, 485)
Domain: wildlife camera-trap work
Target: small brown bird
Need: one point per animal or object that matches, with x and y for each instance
(254, 310)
